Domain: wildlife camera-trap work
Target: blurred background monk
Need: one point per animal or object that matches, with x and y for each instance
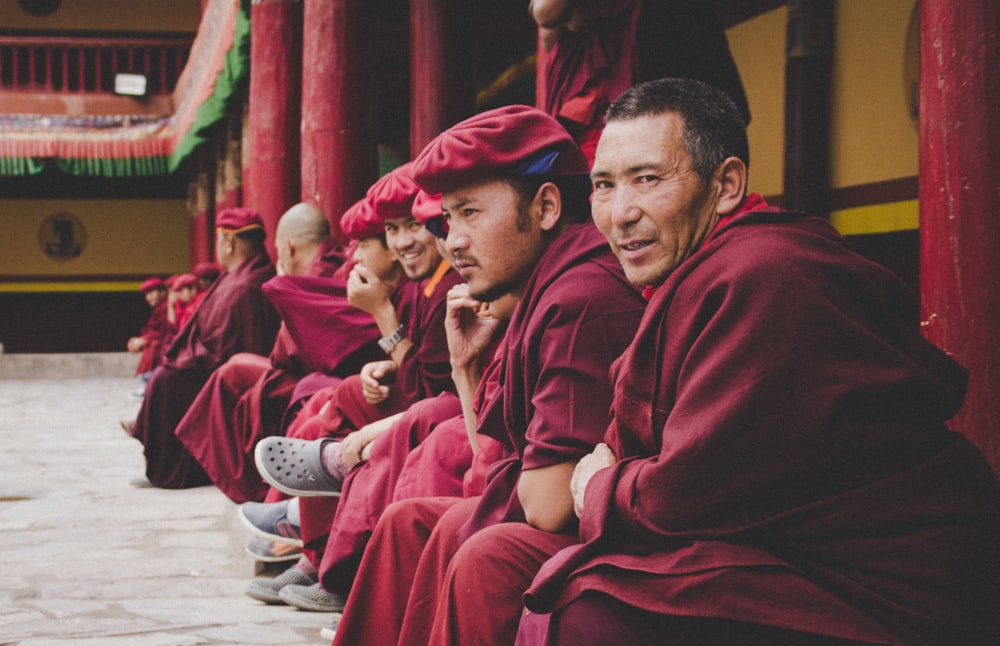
(150, 339)
(234, 317)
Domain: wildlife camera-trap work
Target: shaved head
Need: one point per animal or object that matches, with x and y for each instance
(303, 224)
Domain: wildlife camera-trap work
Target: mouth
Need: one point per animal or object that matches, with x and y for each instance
(633, 246)
(410, 255)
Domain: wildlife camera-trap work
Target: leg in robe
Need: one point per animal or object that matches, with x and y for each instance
(169, 393)
(369, 487)
(480, 598)
(212, 434)
(374, 611)
(597, 619)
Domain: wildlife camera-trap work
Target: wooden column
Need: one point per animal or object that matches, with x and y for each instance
(272, 176)
(200, 197)
(809, 51)
(442, 87)
(338, 143)
(960, 201)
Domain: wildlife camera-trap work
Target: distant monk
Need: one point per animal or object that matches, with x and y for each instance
(184, 289)
(207, 273)
(150, 339)
(234, 317)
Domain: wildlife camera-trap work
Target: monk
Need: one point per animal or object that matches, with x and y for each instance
(207, 273)
(234, 317)
(150, 338)
(778, 469)
(597, 49)
(518, 218)
(417, 367)
(245, 399)
(185, 297)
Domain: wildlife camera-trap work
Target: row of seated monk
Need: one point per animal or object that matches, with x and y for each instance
(546, 399)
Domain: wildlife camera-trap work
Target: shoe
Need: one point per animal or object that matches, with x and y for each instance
(139, 392)
(312, 598)
(269, 520)
(267, 551)
(267, 589)
(295, 467)
(127, 426)
(329, 632)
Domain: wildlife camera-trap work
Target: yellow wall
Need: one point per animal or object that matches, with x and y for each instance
(873, 138)
(108, 15)
(124, 237)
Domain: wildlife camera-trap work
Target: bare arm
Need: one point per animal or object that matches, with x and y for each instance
(545, 496)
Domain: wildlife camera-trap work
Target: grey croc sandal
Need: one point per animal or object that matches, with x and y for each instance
(294, 466)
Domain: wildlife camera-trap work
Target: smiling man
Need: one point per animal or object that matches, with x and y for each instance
(518, 224)
(778, 470)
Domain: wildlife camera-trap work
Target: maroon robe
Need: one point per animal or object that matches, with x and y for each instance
(246, 398)
(551, 407)
(153, 333)
(633, 41)
(783, 456)
(234, 317)
(425, 371)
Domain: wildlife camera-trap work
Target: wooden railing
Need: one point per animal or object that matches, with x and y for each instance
(88, 65)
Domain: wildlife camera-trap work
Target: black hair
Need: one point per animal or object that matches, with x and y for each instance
(713, 127)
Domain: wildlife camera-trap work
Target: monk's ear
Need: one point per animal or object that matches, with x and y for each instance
(732, 184)
(549, 201)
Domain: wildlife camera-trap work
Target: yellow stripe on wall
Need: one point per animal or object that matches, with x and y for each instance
(53, 287)
(877, 218)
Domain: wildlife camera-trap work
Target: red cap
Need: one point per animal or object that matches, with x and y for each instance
(237, 220)
(426, 206)
(393, 194)
(150, 284)
(361, 221)
(515, 140)
(206, 270)
(182, 281)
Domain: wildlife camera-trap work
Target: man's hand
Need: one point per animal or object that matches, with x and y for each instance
(601, 458)
(372, 376)
(468, 326)
(366, 292)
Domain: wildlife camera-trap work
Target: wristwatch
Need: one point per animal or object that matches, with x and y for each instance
(387, 343)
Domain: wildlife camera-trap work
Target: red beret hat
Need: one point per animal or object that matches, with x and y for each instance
(150, 284)
(206, 270)
(361, 221)
(184, 280)
(426, 206)
(515, 140)
(393, 194)
(237, 220)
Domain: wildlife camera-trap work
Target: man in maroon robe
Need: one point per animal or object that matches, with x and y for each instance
(597, 49)
(150, 339)
(518, 224)
(413, 338)
(245, 398)
(234, 317)
(778, 469)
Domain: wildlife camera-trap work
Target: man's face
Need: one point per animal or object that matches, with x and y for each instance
(413, 245)
(648, 201)
(186, 294)
(494, 249)
(154, 297)
(374, 256)
(223, 247)
(285, 265)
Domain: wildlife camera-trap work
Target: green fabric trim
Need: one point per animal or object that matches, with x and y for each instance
(17, 166)
(227, 85)
(121, 167)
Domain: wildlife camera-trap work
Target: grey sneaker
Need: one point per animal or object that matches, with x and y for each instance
(312, 598)
(267, 589)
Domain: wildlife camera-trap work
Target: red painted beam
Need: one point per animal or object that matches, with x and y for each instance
(960, 201)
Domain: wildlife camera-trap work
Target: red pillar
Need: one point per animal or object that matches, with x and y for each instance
(200, 195)
(442, 88)
(338, 145)
(272, 183)
(960, 201)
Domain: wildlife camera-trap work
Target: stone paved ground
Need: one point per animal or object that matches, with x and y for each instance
(87, 559)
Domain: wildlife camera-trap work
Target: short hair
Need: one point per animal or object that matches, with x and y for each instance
(574, 190)
(713, 126)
